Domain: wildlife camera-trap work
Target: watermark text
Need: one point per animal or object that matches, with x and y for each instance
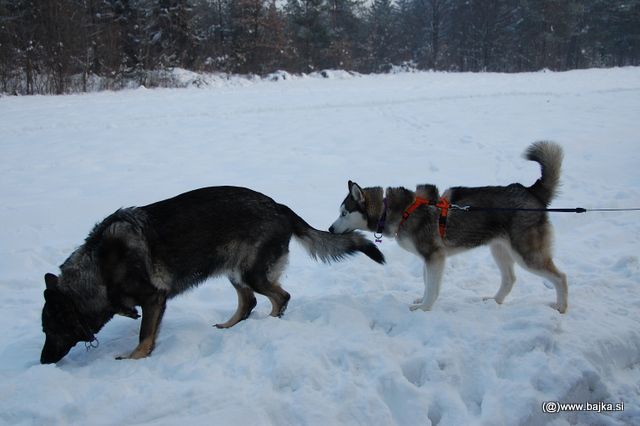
(552, 407)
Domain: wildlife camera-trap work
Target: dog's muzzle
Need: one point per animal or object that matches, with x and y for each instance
(54, 350)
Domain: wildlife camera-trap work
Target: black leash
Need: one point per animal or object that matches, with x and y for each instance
(88, 344)
(443, 217)
(515, 209)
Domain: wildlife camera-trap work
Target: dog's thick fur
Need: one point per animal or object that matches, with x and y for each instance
(523, 237)
(140, 256)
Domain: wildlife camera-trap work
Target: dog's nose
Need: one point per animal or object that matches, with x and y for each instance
(332, 229)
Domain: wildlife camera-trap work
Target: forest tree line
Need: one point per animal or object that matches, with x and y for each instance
(46, 44)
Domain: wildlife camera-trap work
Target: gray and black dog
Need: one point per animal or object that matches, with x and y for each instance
(141, 256)
(510, 219)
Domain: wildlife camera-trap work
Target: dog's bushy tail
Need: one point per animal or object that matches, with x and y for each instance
(549, 155)
(328, 247)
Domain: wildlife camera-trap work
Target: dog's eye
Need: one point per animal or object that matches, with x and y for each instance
(343, 214)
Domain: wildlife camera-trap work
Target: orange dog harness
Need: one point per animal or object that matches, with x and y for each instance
(442, 204)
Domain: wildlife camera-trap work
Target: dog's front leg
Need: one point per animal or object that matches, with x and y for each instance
(152, 312)
(432, 275)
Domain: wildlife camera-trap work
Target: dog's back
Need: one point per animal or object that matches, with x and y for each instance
(228, 229)
(212, 231)
(475, 228)
(497, 211)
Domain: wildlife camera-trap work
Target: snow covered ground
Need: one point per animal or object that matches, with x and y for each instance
(348, 351)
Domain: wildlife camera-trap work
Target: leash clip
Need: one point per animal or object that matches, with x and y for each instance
(381, 222)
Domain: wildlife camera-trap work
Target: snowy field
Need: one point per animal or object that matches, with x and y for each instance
(348, 351)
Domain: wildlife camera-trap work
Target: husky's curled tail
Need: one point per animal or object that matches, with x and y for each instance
(549, 156)
(331, 247)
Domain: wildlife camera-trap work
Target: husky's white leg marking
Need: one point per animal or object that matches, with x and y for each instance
(433, 270)
(559, 280)
(562, 293)
(505, 262)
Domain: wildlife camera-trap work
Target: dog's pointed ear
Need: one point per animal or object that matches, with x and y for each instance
(51, 281)
(356, 192)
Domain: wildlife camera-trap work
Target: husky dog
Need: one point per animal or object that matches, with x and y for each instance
(434, 227)
(141, 256)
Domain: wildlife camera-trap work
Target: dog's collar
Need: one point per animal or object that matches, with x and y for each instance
(381, 222)
(442, 204)
(90, 340)
(93, 341)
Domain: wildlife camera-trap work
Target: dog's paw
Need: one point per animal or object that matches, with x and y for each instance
(121, 357)
(275, 312)
(417, 306)
(224, 325)
(136, 354)
(143, 350)
(418, 301)
(499, 302)
(560, 308)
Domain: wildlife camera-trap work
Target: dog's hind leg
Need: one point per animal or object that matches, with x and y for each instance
(537, 260)
(433, 270)
(505, 262)
(152, 312)
(279, 299)
(277, 295)
(547, 269)
(264, 280)
(246, 303)
(267, 285)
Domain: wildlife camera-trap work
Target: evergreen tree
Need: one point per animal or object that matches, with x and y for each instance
(308, 29)
(434, 20)
(613, 32)
(170, 41)
(344, 32)
(258, 36)
(410, 31)
(382, 40)
(213, 30)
